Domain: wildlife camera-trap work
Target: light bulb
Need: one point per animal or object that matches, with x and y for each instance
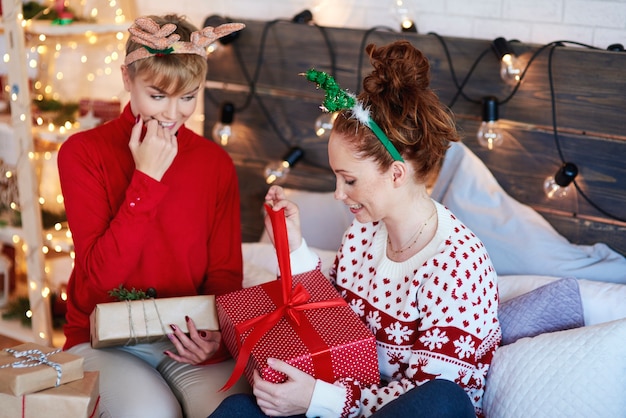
(222, 131)
(490, 134)
(510, 67)
(510, 70)
(401, 10)
(276, 171)
(324, 124)
(559, 185)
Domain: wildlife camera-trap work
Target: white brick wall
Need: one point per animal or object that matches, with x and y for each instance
(596, 22)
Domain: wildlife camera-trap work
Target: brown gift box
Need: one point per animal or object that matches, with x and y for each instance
(148, 320)
(78, 399)
(22, 380)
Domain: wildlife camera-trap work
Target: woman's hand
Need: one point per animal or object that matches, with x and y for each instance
(292, 397)
(196, 348)
(154, 154)
(276, 198)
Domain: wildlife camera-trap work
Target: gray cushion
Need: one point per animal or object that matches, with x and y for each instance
(555, 306)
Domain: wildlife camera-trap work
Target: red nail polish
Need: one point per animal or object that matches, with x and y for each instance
(202, 334)
(174, 327)
(137, 118)
(167, 353)
(186, 318)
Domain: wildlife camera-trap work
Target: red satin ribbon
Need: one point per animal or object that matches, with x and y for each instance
(290, 307)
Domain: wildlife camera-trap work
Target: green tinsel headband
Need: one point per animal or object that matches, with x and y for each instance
(337, 99)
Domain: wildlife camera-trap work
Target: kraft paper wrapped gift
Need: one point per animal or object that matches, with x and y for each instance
(301, 319)
(148, 320)
(31, 367)
(78, 399)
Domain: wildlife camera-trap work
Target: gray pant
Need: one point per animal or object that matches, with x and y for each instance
(140, 381)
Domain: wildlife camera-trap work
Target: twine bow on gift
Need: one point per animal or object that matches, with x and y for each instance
(291, 306)
(33, 358)
(134, 335)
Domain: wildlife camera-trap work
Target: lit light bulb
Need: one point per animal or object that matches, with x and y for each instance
(223, 131)
(510, 70)
(490, 133)
(510, 67)
(559, 185)
(324, 124)
(276, 171)
(401, 10)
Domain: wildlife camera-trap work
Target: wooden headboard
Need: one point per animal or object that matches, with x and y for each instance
(276, 109)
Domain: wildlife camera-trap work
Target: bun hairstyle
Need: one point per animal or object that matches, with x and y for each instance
(172, 73)
(398, 95)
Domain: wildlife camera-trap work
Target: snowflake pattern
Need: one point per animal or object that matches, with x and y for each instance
(464, 347)
(434, 339)
(357, 306)
(374, 321)
(398, 333)
(441, 311)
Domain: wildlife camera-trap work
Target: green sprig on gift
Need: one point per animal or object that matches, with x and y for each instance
(335, 99)
(122, 294)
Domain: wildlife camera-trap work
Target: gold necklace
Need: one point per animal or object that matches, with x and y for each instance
(416, 236)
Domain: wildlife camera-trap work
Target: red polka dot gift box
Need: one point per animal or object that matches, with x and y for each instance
(301, 319)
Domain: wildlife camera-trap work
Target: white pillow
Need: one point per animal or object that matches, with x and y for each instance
(602, 302)
(323, 219)
(260, 264)
(519, 240)
(575, 373)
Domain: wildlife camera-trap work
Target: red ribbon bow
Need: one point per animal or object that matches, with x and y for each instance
(291, 306)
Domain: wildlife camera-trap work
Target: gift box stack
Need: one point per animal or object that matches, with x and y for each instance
(38, 381)
(300, 319)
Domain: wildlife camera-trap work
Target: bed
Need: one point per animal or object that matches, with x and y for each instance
(561, 265)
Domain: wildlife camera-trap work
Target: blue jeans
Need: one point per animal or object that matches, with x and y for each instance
(434, 399)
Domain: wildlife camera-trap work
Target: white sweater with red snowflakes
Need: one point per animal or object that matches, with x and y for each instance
(434, 315)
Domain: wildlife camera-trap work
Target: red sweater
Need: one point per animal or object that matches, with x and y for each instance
(180, 236)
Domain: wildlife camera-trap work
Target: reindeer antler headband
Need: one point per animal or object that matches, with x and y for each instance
(160, 40)
(337, 99)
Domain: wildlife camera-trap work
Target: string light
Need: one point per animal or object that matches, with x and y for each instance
(276, 171)
(402, 12)
(223, 131)
(490, 133)
(29, 239)
(510, 68)
(324, 124)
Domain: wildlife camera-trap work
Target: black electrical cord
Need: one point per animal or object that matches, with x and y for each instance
(455, 80)
(250, 80)
(366, 35)
(253, 80)
(552, 46)
(557, 141)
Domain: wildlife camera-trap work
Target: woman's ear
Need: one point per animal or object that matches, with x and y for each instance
(400, 172)
(126, 77)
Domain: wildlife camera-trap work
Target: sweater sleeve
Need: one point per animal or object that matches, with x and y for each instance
(100, 236)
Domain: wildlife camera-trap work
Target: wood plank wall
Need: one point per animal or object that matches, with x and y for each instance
(277, 108)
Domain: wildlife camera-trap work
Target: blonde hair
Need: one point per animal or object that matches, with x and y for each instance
(171, 73)
(398, 95)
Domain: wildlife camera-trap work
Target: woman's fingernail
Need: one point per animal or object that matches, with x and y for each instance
(186, 318)
(167, 353)
(174, 327)
(202, 334)
(137, 118)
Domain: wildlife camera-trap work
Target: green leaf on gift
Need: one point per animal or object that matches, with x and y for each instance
(121, 293)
